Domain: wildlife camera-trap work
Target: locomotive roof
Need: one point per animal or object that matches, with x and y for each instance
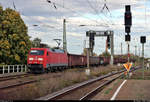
(57, 50)
(39, 48)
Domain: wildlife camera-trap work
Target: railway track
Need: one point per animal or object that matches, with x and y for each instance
(12, 77)
(97, 89)
(68, 91)
(84, 90)
(20, 82)
(6, 78)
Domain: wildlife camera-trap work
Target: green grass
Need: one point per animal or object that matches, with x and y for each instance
(117, 82)
(140, 95)
(145, 70)
(108, 91)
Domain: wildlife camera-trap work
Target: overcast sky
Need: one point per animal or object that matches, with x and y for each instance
(49, 17)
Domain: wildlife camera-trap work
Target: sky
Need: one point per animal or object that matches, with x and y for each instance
(49, 18)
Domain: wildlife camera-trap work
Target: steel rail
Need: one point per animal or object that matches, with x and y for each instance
(93, 92)
(18, 84)
(72, 88)
(14, 77)
(21, 83)
(65, 91)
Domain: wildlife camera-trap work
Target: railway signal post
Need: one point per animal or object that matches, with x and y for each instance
(128, 23)
(143, 40)
(127, 39)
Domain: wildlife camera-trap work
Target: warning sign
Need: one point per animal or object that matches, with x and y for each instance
(127, 66)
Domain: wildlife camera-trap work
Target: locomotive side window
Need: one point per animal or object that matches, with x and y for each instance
(37, 52)
(47, 53)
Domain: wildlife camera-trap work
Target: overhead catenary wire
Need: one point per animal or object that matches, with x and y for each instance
(14, 5)
(63, 6)
(72, 10)
(68, 9)
(95, 10)
(105, 6)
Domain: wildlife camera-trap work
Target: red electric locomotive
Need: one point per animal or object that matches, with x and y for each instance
(45, 59)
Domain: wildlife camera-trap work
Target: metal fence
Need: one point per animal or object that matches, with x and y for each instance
(12, 68)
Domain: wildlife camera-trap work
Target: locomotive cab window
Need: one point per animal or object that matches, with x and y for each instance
(37, 52)
(47, 54)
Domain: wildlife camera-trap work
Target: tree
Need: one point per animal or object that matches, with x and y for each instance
(36, 42)
(85, 52)
(105, 54)
(14, 40)
(94, 54)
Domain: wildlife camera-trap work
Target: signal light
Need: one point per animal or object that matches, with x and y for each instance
(87, 33)
(127, 8)
(128, 16)
(127, 29)
(108, 42)
(108, 39)
(128, 19)
(108, 45)
(92, 36)
(127, 37)
(143, 39)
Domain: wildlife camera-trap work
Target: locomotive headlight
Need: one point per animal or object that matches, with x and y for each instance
(40, 59)
(30, 58)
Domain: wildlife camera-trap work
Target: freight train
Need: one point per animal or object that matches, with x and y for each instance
(46, 59)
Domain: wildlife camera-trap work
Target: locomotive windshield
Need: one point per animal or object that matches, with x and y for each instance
(37, 52)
